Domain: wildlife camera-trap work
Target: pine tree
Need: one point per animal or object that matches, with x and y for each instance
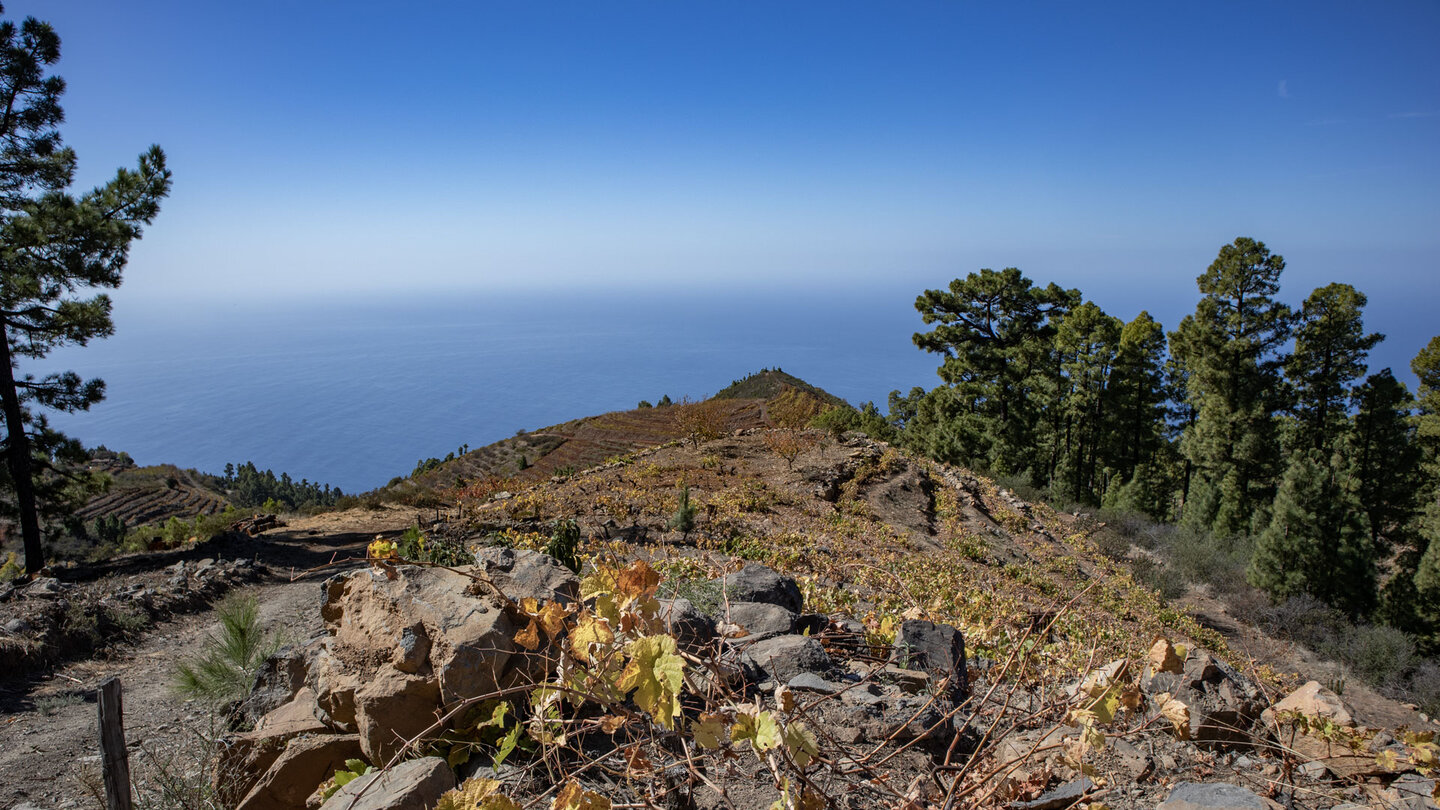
(1386, 460)
(1137, 398)
(995, 331)
(1329, 356)
(1317, 542)
(1086, 341)
(1229, 349)
(55, 251)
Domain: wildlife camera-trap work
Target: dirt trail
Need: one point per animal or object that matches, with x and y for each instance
(48, 733)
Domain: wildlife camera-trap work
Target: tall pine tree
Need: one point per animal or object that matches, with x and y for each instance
(995, 332)
(56, 251)
(1230, 351)
(1329, 356)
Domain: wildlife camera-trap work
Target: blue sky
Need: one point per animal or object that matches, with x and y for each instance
(328, 149)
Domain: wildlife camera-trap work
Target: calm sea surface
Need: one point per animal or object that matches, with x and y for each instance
(354, 394)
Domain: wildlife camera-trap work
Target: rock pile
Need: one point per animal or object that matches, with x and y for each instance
(404, 645)
(49, 619)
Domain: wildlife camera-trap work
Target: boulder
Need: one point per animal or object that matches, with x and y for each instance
(299, 714)
(783, 657)
(402, 643)
(1314, 700)
(1211, 796)
(760, 618)
(414, 785)
(1223, 704)
(1067, 795)
(281, 676)
(521, 573)
(692, 629)
(938, 649)
(243, 759)
(759, 583)
(294, 775)
(392, 708)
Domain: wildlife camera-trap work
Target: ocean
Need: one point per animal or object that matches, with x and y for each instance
(354, 393)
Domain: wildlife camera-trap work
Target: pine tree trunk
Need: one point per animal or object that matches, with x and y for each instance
(17, 456)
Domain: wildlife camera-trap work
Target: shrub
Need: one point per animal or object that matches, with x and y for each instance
(226, 664)
(683, 520)
(700, 421)
(564, 544)
(414, 544)
(788, 444)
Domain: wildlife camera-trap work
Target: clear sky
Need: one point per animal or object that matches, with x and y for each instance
(324, 148)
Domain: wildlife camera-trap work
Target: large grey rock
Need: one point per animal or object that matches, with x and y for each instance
(414, 785)
(692, 629)
(521, 573)
(761, 619)
(938, 649)
(759, 583)
(1211, 796)
(783, 657)
(1067, 795)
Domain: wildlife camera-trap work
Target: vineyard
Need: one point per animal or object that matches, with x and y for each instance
(151, 495)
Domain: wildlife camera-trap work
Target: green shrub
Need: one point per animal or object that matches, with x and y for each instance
(416, 545)
(226, 664)
(683, 520)
(564, 544)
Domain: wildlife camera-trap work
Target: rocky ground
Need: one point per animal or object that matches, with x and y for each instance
(871, 560)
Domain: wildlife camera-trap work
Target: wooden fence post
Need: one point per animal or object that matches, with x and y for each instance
(115, 760)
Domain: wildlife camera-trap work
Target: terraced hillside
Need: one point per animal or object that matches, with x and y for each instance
(576, 445)
(155, 494)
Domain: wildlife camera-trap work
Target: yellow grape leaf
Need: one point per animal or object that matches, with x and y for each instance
(1425, 755)
(708, 729)
(590, 632)
(913, 613)
(530, 605)
(573, 797)
(800, 744)
(476, 793)
(1387, 760)
(382, 549)
(656, 672)
(1177, 713)
(529, 638)
(601, 581)
(1105, 706)
(552, 619)
(1166, 657)
(1092, 738)
(607, 608)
